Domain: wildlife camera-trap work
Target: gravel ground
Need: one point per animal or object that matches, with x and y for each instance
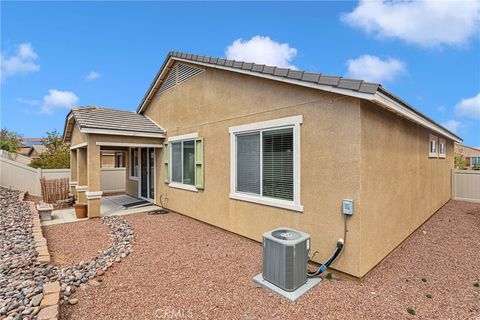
(70, 243)
(21, 277)
(181, 268)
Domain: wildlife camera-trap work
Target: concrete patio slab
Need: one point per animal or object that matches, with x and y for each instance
(109, 206)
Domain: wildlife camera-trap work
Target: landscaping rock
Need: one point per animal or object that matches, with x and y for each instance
(73, 301)
(37, 299)
(48, 313)
(28, 279)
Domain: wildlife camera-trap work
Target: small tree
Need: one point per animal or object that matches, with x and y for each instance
(460, 163)
(57, 155)
(10, 141)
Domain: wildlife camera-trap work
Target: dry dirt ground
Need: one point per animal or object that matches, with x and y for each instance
(184, 269)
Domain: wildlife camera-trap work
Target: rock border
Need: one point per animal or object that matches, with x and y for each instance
(49, 305)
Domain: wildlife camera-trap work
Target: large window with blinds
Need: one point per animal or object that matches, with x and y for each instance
(265, 162)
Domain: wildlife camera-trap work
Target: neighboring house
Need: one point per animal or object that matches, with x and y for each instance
(27, 144)
(248, 148)
(471, 155)
(36, 151)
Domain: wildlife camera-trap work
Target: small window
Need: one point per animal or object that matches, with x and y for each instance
(475, 162)
(433, 147)
(265, 158)
(134, 162)
(183, 162)
(442, 148)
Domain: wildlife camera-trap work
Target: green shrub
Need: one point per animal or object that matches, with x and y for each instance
(411, 311)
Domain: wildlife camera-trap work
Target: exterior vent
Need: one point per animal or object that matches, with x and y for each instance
(179, 73)
(285, 257)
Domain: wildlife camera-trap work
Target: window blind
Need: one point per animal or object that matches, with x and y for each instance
(277, 171)
(248, 163)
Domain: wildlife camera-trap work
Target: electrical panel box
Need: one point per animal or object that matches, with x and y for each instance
(347, 207)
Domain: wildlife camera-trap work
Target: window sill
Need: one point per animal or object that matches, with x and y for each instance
(178, 185)
(433, 155)
(133, 178)
(442, 156)
(267, 201)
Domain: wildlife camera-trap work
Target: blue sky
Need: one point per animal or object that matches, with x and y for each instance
(55, 55)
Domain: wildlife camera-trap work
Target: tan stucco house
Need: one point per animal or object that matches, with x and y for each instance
(249, 148)
(470, 154)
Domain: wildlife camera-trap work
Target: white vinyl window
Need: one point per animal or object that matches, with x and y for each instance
(265, 162)
(433, 146)
(182, 162)
(133, 163)
(442, 148)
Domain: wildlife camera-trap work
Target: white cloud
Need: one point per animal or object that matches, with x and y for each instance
(422, 22)
(372, 68)
(93, 75)
(58, 99)
(30, 102)
(21, 63)
(452, 125)
(262, 50)
(469, 107)
(441, 108)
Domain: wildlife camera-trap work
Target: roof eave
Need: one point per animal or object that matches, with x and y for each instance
(384, 99)
(382, 96)
(121, 132)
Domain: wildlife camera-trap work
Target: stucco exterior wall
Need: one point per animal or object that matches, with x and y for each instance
(77, 136)
(401, 187)
(215, 100)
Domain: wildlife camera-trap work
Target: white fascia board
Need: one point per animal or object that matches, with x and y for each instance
(128, 144)
(122, 133)
(392, 105)
(163, 129)
(80, 145)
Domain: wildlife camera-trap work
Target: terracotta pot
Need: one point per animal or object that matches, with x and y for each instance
(81, 210)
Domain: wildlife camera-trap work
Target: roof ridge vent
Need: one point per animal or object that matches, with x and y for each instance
(179, 73)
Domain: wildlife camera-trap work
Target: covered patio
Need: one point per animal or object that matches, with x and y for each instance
(91, 130)
(116, 205)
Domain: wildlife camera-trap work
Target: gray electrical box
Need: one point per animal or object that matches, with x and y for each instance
(285, 257)
(347, 207)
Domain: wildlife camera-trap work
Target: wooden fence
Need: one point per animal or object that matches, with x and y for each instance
(19, 176)
(466, 185)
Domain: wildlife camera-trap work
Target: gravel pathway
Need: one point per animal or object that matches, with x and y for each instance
(182, 268)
